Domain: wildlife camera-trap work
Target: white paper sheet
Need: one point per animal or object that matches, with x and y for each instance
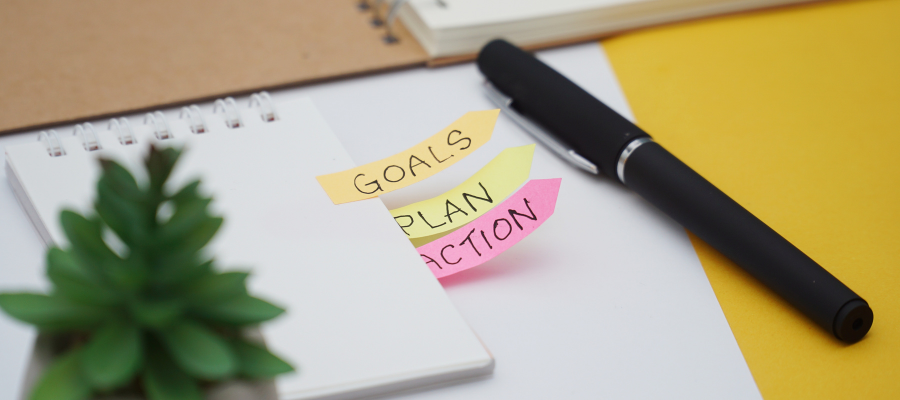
(606, 300)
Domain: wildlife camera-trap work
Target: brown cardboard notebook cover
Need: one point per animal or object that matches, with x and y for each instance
(69, 60)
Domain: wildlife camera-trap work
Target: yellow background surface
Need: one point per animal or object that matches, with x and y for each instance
(795, 113)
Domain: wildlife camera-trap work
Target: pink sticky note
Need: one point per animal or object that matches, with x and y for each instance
(495, 231)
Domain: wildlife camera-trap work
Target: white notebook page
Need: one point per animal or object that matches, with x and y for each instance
(466, 13)
(362, 310)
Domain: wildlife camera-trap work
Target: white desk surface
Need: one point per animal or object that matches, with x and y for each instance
(606, 300)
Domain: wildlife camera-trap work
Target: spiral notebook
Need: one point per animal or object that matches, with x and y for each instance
(364, 315)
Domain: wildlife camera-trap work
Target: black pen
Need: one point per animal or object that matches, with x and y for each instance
(597, 139)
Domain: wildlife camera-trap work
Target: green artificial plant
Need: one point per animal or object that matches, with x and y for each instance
(146, 310)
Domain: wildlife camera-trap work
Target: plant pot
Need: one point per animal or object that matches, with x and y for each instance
(47, 347)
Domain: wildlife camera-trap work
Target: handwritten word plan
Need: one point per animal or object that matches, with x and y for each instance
(472, 198)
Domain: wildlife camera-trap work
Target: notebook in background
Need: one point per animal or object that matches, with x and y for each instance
(65, 61)
(449, 28)
(364, 314)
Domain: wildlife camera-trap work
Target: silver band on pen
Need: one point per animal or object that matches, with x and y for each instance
(620, 165)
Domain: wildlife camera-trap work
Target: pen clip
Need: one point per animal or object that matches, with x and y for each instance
(504, 102)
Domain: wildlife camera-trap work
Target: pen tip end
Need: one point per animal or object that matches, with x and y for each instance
(853, 321)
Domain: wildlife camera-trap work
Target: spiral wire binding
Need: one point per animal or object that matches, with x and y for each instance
(89, 139)
(123, 131)
(195, 118)
(265, 105)
(388, 21)
(232, 115)
(51, 140)
(376, 20)
(160, 124)
(389, 36)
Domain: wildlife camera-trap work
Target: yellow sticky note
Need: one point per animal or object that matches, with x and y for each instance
(421, 161)
(472, 198)
(792, 112)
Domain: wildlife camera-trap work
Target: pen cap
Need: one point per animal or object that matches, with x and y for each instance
(591, 128)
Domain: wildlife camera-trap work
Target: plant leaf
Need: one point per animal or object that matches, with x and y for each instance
(113, 356)
(124, 217)
(63, 380)
(199, 351)
(186, 217)
(164, 380)
(189, 217)
(188, 192)
(241, 310)
(159, 163)
(157, 314)
(74, 282)
(68, 265)
(85, 234)
(258, 363)
(218, 287)
(199, 236)
(121, 181)
(180, 268)
(86, 238)
(129, 275)
(51, 313)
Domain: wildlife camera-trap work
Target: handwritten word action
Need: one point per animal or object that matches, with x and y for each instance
(472, 198)
(421, 161)
(495, 231)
